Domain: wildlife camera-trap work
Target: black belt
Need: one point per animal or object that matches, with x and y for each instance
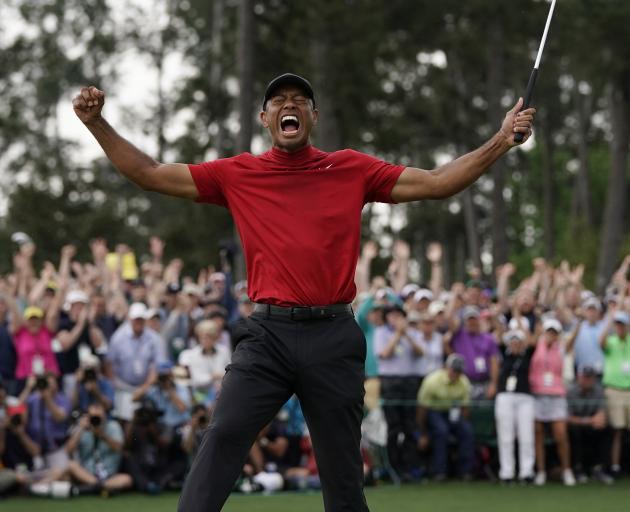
(304, 312)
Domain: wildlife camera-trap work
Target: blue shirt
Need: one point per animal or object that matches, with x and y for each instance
(133, 357)
(172, 417)
(402, 361)
(106, 388)
(42, 428)
(96, 454)
(587, 349)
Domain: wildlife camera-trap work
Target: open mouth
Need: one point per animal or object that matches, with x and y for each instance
(289, 124)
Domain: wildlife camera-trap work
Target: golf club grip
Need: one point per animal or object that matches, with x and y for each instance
(528, 96)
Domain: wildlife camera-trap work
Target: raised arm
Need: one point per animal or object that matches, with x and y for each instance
(144, 171)
(448, 179)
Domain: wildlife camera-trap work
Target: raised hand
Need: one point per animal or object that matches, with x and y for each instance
(434, 252)
(88, 104)
(518, 122)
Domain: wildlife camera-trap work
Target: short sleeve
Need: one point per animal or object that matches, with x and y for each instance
(208, 180)
(380, 178)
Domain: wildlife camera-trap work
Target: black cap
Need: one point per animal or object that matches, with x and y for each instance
(587, 370)
(289, 79)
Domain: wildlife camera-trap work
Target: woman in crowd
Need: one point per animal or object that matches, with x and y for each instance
(546, 382)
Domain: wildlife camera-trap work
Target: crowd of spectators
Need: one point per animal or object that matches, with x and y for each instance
(110, 369)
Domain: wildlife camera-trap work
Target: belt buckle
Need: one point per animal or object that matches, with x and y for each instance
(320, 312)
(297, 313)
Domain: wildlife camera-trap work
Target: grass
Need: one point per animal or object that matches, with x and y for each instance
(449, 497)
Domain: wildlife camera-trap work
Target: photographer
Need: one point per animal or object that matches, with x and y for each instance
(172, 399)
(17, 448)
(147, 449)
(48, 412)
(92, 387)
(192, 432)
(97, 443)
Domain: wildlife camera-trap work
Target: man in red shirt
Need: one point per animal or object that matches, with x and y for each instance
(298, 212)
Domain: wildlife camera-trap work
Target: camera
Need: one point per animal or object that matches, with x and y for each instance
(41, 382)
(164, 379)
(16, 420)
(96, 421)
(147, 413)
(203, 421)
(89, 374)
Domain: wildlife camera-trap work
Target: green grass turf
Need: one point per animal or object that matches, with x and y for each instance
(448, 497)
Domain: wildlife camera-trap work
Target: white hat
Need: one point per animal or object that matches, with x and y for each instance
(152, 312)
(192, 289)
(552, 324)
(408, 289)
(436, 307)
(423, 293)
(414, 316)
(74, 296)
(592, 302)
(622, 317)
(514, 335)
(137, 310)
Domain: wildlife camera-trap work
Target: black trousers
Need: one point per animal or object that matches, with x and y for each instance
(589, 447)
(322, 362)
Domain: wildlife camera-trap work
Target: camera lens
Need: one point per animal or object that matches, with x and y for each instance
(89, 374)
(95, 421)
(41, 383)
(16, 420)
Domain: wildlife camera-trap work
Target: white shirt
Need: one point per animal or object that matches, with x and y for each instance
(204, 367)
(433, 355)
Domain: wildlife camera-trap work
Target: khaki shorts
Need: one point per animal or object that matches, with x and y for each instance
(618, 407)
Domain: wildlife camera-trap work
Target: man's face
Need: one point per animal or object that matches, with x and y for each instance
(586, 381)
(137, 325)
(592, 315)
(621, 329)
(76, 308)
(453, 375)
(473, 324)
(289, 117)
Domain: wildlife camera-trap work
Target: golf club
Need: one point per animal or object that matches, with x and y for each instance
(532, 78)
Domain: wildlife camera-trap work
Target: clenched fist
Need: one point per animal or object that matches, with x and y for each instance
(88, 104)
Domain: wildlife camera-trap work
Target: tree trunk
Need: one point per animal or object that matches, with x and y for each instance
(245, 74)
(496, 71)
(327, 132)
(549, 231)
(584, 106)
(216, 69)
(612, 230)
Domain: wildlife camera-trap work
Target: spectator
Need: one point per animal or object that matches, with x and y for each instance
(170, 398)
(616, 349)
(587, 422)
(32, 335)
(101, 316)
(92, 387)
(132, 358)
(47, 425)
(444, 399)
(586, 348)
(8, 358)
(76, 331)
(97, 444)
(514, 408)
(16, 447)
(370, 317)
(397, 347)
(147, 451)
(178, 325)
(479, 350)
(432, 344)
(193, 431)
(206, 361)
(545, 379)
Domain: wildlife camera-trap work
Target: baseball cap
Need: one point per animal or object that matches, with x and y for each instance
(592, 302)
(164, 367)
(192, 289)
(414, 316)
(137, 310)
(552, 324)
(152, 312)
(437, 306)
(470, 312)
(288, 79)
(474, 283)
(514, 335)
(74, 296)
(455, 362)
(621, 317)
(33, 312)
(217, 276)
(409, 289)
(423, 294)
(173, 288)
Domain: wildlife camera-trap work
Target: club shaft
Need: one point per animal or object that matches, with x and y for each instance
(544, 36)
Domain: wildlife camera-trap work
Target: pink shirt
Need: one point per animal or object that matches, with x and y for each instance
(28, 345)
(545, 370)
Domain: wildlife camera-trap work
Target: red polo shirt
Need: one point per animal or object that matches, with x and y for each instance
(299, 218)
